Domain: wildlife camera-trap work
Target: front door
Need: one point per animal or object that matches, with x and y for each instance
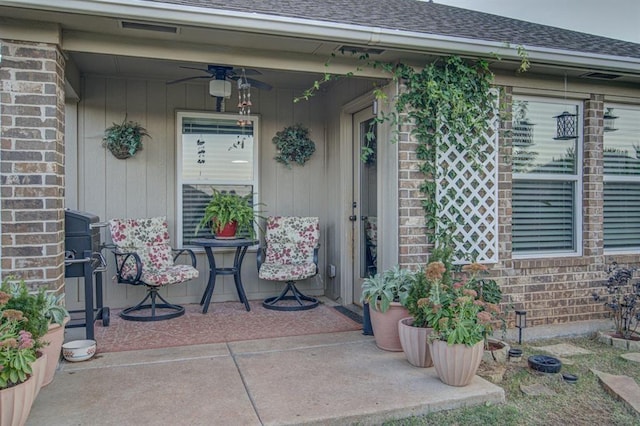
(365, 200)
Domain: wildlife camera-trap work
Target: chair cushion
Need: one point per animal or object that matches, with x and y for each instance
(289, 253)
(278, 272)
(172, 275)
(140, 232)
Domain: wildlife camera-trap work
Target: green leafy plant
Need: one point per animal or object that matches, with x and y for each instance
(227, 207)
(392, 285)
(124, 139)
(294, 145)
(17, 344)
(33, 306)
(456, 311)
(54, 311)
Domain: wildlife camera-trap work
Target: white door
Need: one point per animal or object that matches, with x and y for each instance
(365, 201)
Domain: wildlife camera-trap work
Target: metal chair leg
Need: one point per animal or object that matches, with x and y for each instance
(152, 293)
(272, 302)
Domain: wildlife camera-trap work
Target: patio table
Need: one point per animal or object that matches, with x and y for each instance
(241, 245)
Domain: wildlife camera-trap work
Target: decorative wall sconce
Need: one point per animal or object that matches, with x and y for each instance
(609, 120)
(567, 126)
(521, 323)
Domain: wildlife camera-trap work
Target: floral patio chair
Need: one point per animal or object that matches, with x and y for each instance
(144, 257)
(290, 254)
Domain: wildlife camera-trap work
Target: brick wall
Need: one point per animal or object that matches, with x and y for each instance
(32, 162)
(551, 290)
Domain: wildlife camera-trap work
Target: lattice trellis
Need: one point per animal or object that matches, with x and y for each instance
(467, 193)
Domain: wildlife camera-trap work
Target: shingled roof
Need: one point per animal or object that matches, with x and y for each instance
(428, 18)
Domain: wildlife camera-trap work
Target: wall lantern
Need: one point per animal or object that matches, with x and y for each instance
(567, 126)
(609, 120)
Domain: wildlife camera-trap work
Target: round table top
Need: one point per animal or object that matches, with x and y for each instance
(217, 242)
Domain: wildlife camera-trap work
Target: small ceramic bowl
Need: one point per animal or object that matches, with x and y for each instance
(79, 350)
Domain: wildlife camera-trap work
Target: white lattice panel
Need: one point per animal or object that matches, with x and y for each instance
(468, 197)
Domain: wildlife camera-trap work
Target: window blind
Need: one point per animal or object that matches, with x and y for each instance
(621, 215)
(545, 216)
(621, 196)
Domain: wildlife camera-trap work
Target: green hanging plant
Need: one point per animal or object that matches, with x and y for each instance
(294, 145)
(124, 139)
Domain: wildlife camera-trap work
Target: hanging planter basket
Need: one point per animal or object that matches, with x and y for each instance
(124, 139)
(294, 145)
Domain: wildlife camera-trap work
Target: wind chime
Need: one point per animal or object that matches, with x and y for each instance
(244, 100)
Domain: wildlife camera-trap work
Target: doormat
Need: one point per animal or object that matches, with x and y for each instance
(225, 322)
(349, 313)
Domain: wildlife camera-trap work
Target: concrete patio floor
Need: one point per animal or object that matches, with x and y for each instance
(328, 379)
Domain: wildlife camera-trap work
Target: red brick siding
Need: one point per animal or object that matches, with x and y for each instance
(32, 162)
(551, 290)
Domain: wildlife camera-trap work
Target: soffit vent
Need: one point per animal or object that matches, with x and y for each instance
(145, 26)
(359, 50)
(601, 76)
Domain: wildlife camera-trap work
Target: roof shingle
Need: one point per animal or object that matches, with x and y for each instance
(428, 18)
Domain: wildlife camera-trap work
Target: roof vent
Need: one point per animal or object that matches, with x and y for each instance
(601, 76)
(359, 50)
(130, 25)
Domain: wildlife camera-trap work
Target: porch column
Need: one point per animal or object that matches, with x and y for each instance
(593, 182)
(32, 162)
(412, 233)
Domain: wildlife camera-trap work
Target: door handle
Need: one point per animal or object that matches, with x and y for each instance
(353, 218)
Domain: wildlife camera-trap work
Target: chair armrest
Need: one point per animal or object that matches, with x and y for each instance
(260, 256)
(122, 258)
(180, 252)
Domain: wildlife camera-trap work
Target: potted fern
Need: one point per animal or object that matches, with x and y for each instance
(124, 139)
(227, 214)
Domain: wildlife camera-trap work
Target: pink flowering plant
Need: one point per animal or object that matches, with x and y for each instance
(454, 308)
(17, 346)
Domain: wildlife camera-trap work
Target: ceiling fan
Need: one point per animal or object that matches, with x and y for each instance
(221, 72)
(220, 75)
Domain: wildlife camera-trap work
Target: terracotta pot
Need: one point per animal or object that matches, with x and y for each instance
(456, 365)
(16, 401)
(54, 338)
(385, 326)
(228, 231)
(38, 369)
(414, 343)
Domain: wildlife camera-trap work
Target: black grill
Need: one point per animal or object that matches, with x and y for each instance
(82, 234)
(83, 258)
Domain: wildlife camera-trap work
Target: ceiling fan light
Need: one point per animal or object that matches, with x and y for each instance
(220, 88)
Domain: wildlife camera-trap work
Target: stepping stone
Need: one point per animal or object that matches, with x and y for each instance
(564, 349)
(622, 387)
(493, 373)
(632, 356)
(537, 390)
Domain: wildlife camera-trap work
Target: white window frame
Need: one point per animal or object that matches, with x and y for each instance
(617, 178)
(180, 115)
(576, 179)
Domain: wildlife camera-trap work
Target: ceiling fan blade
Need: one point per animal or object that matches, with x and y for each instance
(259, 84)
(180, 80)
(197, 69)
